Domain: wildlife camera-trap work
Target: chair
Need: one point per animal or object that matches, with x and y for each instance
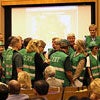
(71, 88)
(54, 93)
(83, 88)
(79, 94)
(29, 92)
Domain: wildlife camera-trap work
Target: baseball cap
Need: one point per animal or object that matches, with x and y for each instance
(64, 43)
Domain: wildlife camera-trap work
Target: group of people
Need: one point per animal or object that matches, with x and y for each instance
(11, 91)
(70, 61)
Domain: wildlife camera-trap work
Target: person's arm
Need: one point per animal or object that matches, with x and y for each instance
(89, 69)
(79, 69)
(68, 69)
(70, 76)
(90, 74)
(39, 62)
(18, 62)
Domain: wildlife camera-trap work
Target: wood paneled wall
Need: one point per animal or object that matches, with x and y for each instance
(28, 2)
(1, 19)
(98, 16)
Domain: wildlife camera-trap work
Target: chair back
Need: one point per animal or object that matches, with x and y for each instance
(54, 93)
(79, 94)
(29, 92)
(71, 88)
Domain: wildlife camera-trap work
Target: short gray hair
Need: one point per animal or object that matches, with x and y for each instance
(50, 71)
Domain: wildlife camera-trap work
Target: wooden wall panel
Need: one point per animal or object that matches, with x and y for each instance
(1, 20)
(29, 2)
(98, 16)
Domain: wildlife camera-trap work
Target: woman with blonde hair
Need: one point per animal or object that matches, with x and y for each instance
(32, 46)
(33, 62)
(78, 61)
(25, 80)
(41, 62)
(95, 89)
(29, 56)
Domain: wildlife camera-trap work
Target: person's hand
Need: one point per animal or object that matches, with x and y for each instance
(91, 78)
(47, 61)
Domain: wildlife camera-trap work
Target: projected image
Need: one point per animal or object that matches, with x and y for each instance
(48, 22)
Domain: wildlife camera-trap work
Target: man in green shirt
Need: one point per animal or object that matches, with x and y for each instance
(61, 61)
(12, 60)
(92, 37)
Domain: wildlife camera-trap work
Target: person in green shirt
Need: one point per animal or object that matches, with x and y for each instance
(92, 37)
(34, 61)
(78, 60)
(61, 62)
(71, 38)
(93, 61)
(12, 60)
